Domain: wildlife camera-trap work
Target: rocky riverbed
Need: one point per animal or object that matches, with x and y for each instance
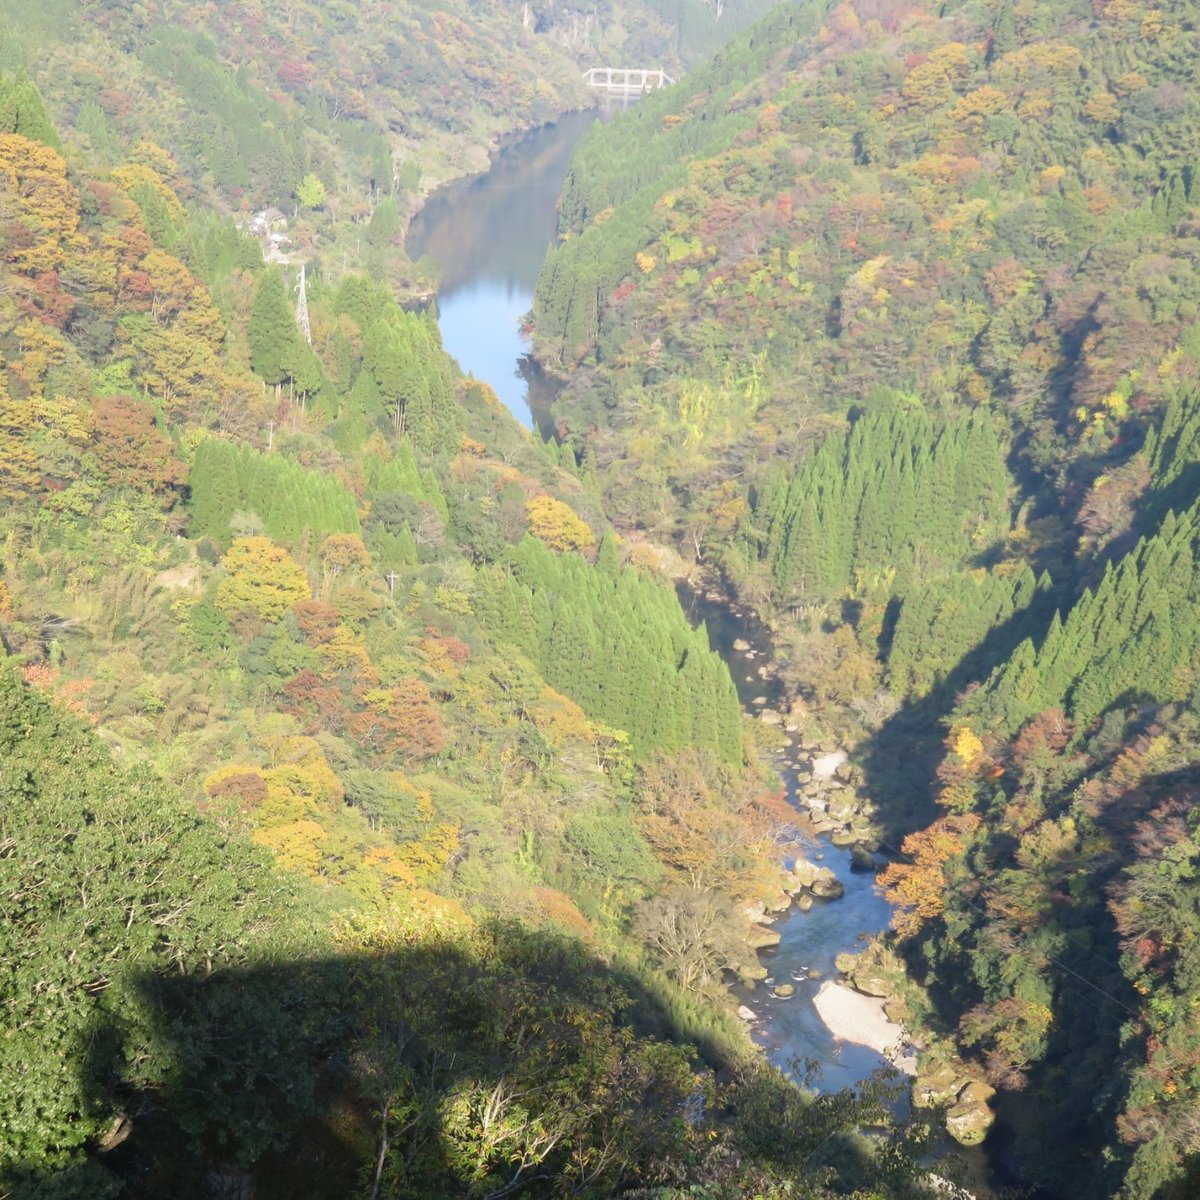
(818, 984)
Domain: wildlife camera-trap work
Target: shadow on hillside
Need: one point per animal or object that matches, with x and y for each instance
(269, 1080)
(1059, 1112)
(900, 758)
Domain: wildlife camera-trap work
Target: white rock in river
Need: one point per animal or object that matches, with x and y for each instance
(860, 1019)
(747, 1014)
(825, 765)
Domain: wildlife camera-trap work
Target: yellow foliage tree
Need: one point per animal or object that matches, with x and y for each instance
(261, 578)
(295, 844)
(558, 525)
(29, 427)
(967, 745)
(37, 195)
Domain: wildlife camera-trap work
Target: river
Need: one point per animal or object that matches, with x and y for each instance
(790, 1030)
(490, 235)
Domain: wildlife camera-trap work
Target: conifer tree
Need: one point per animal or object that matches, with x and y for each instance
(274, 338)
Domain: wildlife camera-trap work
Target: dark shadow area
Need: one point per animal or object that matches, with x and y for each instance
(274, 1078)
(508, 1061)
(899, 759)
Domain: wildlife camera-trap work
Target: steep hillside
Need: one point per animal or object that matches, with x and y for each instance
(991, 207)
(410, 847)
(889, 317)
(328, 111)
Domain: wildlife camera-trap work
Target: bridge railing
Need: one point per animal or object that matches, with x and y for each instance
(627, 79)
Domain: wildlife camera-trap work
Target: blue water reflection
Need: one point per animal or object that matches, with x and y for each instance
(489, 235)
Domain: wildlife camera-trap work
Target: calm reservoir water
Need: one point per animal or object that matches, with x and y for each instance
(490, 235)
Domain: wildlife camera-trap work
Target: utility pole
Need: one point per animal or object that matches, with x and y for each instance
(391, 577)
(270, 435)
(302, 308)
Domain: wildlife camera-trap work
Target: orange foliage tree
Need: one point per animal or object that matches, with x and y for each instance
(401, 720)
(129, 449)
(916, 887)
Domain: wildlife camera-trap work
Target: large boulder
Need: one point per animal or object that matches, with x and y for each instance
(862, 860)
(937, 1083)
(968, 1124)
(859, 973)
(825, 765)
(870, 984)
(761, 936)
(804, 872)
(827, 886)
(844, 805)
(976, 1092)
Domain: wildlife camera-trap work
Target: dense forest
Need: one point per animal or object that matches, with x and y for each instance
(372, 820)
(886, 318)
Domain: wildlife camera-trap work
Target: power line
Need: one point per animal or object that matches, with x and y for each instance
(1048, 957)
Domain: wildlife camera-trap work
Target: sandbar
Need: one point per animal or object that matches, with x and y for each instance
(852, 1017)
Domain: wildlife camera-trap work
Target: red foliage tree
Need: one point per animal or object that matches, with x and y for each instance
(318, 621)
(130, 450)
(320, 705)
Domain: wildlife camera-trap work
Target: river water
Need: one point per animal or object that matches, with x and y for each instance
(489, 235)
(789, 1030)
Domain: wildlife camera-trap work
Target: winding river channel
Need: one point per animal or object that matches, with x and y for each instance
(490, 234)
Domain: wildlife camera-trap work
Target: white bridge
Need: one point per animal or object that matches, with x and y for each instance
(626, 81)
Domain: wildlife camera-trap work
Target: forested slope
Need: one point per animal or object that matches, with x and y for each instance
(372, 821)
(991, 206)
(888, 316)
(251, 101)
(327, 110)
